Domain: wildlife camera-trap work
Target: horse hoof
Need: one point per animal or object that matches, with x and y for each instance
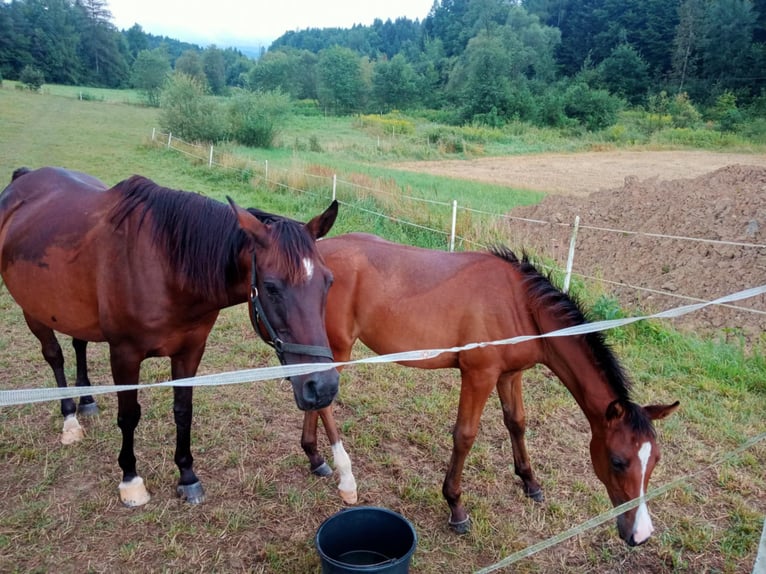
(536, 495)
(72, 431)
(348, 496)
(322, 470)
(462, 527)
(191, 493)
(134, 493)
(88, 409)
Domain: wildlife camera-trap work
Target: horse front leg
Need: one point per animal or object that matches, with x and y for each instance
(474, 391)
(189, 487)
(126, 364)
(319, 467)
(71, 432)
(512, 402)
(347, 482)
(87, 405)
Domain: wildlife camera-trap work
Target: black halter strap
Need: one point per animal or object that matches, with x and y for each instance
(258, 317)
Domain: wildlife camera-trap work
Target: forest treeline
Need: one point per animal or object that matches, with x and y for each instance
(547, 62)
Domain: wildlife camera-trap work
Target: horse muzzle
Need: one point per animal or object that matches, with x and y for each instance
(315, 390)
(635, 528)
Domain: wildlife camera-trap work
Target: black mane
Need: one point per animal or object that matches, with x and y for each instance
(199, 236)
(541, 290)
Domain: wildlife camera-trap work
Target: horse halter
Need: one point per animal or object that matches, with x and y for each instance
(258, 317)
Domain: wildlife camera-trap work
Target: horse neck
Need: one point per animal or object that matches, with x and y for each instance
(572, 361)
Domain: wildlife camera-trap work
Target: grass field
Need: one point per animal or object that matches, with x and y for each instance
(61, 513)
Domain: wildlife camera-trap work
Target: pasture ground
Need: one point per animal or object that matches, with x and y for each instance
(60, 510)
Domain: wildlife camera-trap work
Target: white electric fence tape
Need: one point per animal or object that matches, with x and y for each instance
(24, 396)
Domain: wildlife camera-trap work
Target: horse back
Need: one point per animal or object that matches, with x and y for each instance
(397, 297)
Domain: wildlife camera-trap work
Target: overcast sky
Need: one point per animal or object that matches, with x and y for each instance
(253, 22)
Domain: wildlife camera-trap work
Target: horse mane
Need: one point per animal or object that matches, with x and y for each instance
(569, 310)
(199, 236)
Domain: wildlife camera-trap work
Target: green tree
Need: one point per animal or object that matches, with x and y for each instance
(47, 33)
(727, 45)
(686, 43)
(190, 63)
(394, 84)
(100, 46)
(340, 83)
(481, 83)
(215, 69)
(150, 73)
(625, 73)
(137, 40)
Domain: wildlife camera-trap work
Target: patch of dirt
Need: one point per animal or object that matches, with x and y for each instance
(717, 201)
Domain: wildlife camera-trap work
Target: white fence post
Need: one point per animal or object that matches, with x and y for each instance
(170, 136)
(454, 221)
(266, 172)
(570, 258)
(210, 161)
(153, 132)
(334, 185)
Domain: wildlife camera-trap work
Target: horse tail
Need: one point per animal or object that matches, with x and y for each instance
(19, 172)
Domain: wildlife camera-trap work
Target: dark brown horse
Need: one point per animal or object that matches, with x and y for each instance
(147, 270)
(397, 298)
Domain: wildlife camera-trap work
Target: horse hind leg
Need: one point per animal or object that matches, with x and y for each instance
(512, 402)
(71, 432)
(87, 406)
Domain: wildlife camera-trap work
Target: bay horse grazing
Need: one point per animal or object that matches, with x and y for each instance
(147, 270)
(397, 298)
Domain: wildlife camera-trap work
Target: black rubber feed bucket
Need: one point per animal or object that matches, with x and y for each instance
(366, 539)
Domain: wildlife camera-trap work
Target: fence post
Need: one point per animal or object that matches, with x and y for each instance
(153, 132)
(170, 136)
(210, 161)
(454, 221)
(334, 185)
(266, 172)
(570, 258)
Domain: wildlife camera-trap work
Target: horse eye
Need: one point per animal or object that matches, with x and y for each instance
(273, 292)
(618, 465)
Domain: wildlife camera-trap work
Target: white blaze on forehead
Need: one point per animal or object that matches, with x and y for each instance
(308, 267)
(642, 527)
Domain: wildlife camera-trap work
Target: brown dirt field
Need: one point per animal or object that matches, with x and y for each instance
(579, 174)
(711, 198)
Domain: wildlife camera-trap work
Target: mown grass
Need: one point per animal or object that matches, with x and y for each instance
(60, 511)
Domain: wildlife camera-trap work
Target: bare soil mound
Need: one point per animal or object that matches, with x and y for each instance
(720, 215)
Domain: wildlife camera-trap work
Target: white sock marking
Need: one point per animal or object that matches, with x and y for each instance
(343, 464)
(642, 527)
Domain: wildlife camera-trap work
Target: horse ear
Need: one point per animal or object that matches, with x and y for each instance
(322, 223)
(614, 411)
(657, 412)
(249, 222)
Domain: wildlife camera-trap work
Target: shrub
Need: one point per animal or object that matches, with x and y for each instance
(186, 112)
(594, 109)
(683, 114)
(32, 78)
(254, 117)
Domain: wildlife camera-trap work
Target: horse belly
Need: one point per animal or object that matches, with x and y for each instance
(49, 295)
